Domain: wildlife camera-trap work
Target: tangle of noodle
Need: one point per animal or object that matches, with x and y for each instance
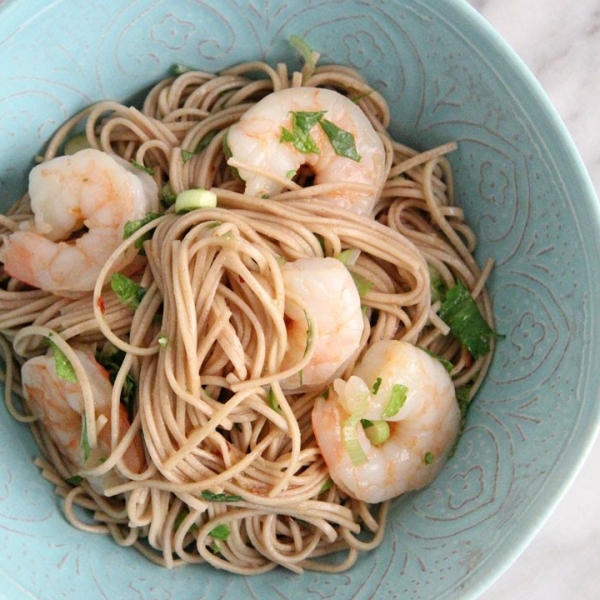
(214, 295)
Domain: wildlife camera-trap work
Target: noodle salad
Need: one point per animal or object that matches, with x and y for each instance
(241, 319)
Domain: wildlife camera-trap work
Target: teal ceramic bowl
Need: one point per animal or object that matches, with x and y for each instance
(447, 76)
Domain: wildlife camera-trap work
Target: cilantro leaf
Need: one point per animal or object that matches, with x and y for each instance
(111, 358)
(132, 226)
(85, 443)
(212, 497)
(461, 313)
(64, 368)
(141, 167)
(343, 142)
(301, 141)
(306, 120)
(221, 532)
(128, 291)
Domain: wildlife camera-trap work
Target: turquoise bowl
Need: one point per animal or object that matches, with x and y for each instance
(447, 76)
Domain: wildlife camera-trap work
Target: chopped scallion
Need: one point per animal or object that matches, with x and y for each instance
(193, 199)
(397, 400)
(377, 385)
(352, 443)
(377, 432)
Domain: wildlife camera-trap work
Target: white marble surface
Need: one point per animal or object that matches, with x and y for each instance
(559, 40)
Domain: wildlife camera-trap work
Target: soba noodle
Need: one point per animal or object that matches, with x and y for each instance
(203, 347)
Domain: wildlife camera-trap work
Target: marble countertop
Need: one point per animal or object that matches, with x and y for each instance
(560, 43)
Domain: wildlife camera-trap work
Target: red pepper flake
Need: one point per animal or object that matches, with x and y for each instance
(101, 305)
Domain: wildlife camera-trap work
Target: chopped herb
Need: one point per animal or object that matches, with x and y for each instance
(303, 142)
(142, 167)
(397, 400)
(163, 341)
(429, 458)
(211, 497)
(343, 142)
(64, 368)
(167, 195)
(363, 285)
(181, 69)
(377, 432)
(461, 313)
(128, 291)
(291, 174)
(307, 53)
(463, 397)
(75, 480)
(445, 363)
(376, 386)
(85, 442)
(111, 358)
(348, 256)
(326, 486)
(357, 99)
(306, 120)
(325, 393)
(309, 332)
(437, 285)
(352, 443)
(321, 241)
(193, 199)
(228, 154)
(181, 517)
(221, 532)
(273, 401)
(186, 155)
(205, 141)
(132, 226)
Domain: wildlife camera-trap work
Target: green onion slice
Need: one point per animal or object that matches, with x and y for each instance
(397, 400)
(193, 199)
(377, 432)
(352, 443)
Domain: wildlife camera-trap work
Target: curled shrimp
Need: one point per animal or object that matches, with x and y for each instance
(59, 405)
(422, 432)
(89, 193)
(321, 301)
(265, 155)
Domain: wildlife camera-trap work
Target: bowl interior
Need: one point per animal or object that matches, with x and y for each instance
(447, 76)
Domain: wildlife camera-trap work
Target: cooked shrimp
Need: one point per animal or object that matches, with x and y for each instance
(59, 405)
(89, 192)
(266, 161)
(322, 290)
(422, 432)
